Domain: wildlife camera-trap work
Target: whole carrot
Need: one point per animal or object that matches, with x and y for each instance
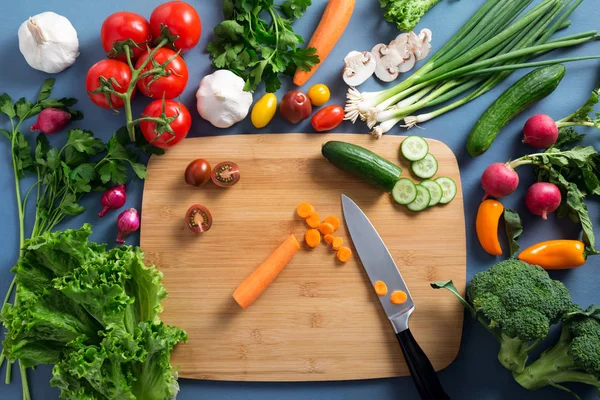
(333, 23)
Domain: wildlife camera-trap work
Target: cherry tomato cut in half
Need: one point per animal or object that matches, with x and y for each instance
(197, 172)
(225, 174)
(169, 86)
(123, 28)
(181, 19)
(109, 70)
(159, 135)
(328, 118)
(198, 219)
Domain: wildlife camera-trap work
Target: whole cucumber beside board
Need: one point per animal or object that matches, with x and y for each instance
(531, 88)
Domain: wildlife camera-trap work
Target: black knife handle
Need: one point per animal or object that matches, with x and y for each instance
(426, 380)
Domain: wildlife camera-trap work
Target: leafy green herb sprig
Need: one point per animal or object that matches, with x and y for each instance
(260, 50)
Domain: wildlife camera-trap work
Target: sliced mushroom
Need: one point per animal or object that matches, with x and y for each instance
(420, 44)
(408, 63)
(387, 59)
(359, 67)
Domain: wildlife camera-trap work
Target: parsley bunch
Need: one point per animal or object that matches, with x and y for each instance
(259, 50)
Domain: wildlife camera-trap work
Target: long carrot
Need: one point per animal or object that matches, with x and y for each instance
(261, 278)
(333, 23)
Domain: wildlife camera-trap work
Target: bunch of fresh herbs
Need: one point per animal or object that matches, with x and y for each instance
(259, 50)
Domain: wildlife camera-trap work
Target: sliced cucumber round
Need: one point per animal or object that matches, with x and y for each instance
(422, 200)
(414, 148)
(448, 189)
(435, 190)
(405, 191)
(425, 168)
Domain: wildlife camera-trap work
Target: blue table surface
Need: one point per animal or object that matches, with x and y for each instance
(475, 374)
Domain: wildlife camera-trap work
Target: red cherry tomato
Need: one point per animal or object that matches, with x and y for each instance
(169, 86)
(197, 172)
(328, 118)
(181, 19)
(108, 69)
(198, 219)
(120, 27)
(225, 174)
(157, 135)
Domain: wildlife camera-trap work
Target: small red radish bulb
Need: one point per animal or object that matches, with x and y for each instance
(540, 131)
(51, 120)
(499, 180)
(543, 198)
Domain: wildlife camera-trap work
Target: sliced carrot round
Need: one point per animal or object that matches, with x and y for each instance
(326, 228)
(328, 238)
(337, 243)
(380, 288)
(312, 237)
(399, 297)
(304, 210)
(344, 254)
(335, 221)
(313, 220)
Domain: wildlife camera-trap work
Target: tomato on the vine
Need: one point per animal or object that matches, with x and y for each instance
(181, 19)
(111, 70)
(158, 135)
(172, 84)
(122, 28)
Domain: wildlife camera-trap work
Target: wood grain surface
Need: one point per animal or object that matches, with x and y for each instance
(320, 319)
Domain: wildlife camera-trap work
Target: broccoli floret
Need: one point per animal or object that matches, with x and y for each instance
(574, 358)
(406, 13)
(517, 302)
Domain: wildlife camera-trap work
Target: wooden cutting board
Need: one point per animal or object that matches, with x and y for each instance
(319, 320)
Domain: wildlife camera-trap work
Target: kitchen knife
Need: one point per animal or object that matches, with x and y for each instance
(380, 266)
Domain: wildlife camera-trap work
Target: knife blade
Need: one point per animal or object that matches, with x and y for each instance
(380, 265)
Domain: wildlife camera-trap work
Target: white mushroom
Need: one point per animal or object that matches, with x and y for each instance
(420, 44)
(408, 63)
(359, 67)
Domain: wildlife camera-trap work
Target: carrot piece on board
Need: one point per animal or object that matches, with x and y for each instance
(398, 297)
(380, 288)
(337, 243)
(313, 220)
(304, 210)
(312, 237)
(328, 238)
(335, 221)
(344, 254)
(326, 228)
(253, 286)
(333, 23)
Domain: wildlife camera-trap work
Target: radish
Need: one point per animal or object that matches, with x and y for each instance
(540, 131)
(499, 180)
(543, 198)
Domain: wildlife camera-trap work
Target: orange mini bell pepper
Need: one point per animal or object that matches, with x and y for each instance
(555, 254)
(488, 218)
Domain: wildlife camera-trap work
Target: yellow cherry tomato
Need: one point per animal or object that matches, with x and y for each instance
(319, 95)
(264, 110)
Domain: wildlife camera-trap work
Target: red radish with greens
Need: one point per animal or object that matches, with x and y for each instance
(499, 180)
(543, 198)
(51, 120)
(127, 223)
(113, 199)
(540, 131)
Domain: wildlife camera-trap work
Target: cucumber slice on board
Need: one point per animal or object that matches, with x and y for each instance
(448, 189)
(435, 190)
(405, 191)
(422, 200)
(425, 168)
(414, 148)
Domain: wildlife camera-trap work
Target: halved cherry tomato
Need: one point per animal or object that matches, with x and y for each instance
(197, 172)
(225, 174)
(109, 70)
(181, 19)
(328, 118)
(198, 219)
(158, 135)
(170, 85)
(122, 28)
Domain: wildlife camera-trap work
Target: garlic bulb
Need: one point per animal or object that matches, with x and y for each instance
(221, 99)
(48, 42)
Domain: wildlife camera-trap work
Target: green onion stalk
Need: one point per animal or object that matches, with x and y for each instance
(498, 39)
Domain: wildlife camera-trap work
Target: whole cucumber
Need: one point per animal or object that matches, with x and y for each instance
(531, 88)
(362, 163)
